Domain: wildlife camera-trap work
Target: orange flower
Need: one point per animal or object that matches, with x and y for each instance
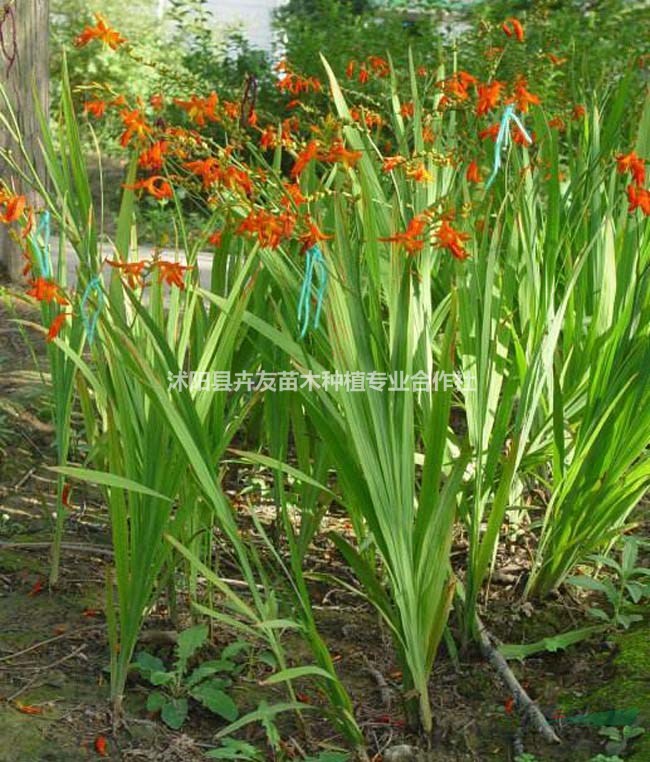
(171, 273)
(28, 226)
(101, 746)
(157, 102)
(95, 108)
(232, 110)
(269, 228)
(555, 60)
(208, 169)
(309, 152)
(489, 132)
(135, 124)
(473, 174)
(349, 69)
(513, 27)
(557, 123)
(632, 163)
(578, 112)
(101, 31)
(14, 208)
(45, 290)
(289, 126)
(420, 174)
(200, 110)
(372, 119)
(519, 138)
(379, 65)
(453, 240)
(295, 84)
(131, 270)
(28, 708)
(215, 238)
(294, 195)
(489, 95)
(391, 162)
(457, 86)
(269, 138)
(407, 109)
(521, 97)
(312, 237)
(156, 186)
(338, 152)
(411, 239)
(638, 198)
(153, 158)
(237, 179)
(56, 325)
(364, 76)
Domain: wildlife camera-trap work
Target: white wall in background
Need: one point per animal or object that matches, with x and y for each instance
(254, 15)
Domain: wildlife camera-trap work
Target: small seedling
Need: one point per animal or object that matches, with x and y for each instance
(233, 748)
(619, 738)
(207, 683)
(627, 587)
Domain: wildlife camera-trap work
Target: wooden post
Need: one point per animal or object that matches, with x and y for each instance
(24, 72)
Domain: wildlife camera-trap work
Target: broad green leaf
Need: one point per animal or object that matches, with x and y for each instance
(234, 649)
(162, 678)
(189, 642)
(211, 695)
(148, 663)
(208, 668)
(588, 583)
(233, 748)
(174, 713)
(156, 701)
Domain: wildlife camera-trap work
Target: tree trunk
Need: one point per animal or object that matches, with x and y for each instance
(24, 72)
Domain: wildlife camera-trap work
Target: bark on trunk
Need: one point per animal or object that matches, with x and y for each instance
(24, 72)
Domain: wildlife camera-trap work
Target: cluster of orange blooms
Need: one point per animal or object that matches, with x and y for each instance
(174, 155)
(171, 273)
(446, 237)
(373, 66)
(100, 31)
(13, 206)
(489, 95)
(638, 196)
(293, 83)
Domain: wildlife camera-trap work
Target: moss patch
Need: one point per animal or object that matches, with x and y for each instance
(627, 687)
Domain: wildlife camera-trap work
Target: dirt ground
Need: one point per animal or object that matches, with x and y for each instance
(53, 654)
